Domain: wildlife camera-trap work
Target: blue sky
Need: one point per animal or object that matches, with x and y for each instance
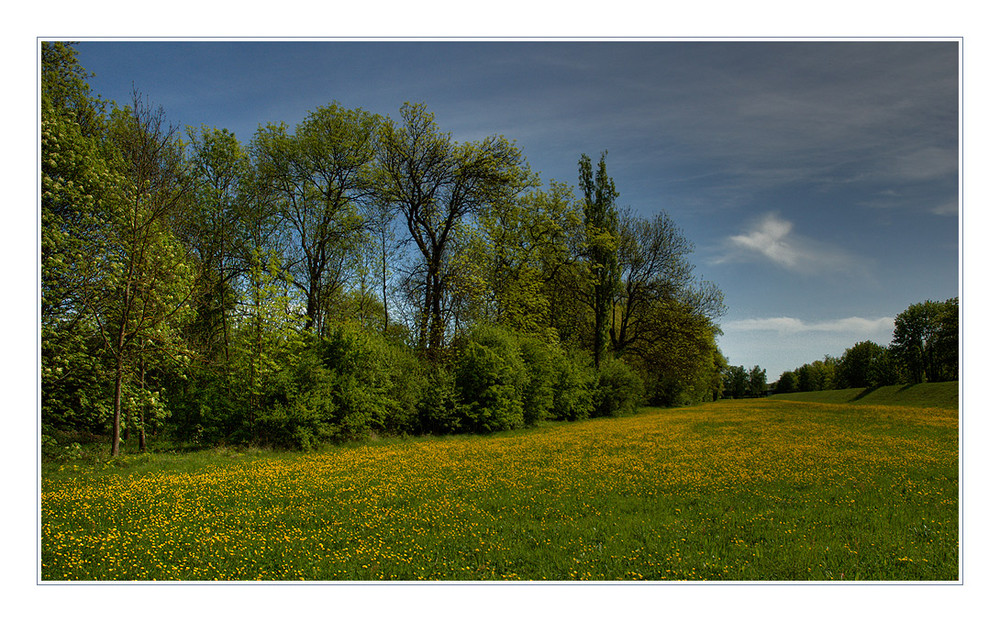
(818, 180)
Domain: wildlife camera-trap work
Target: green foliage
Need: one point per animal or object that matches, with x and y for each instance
(573, 385)
(439, 409)
(538, 391)
(787, 383)
(618, 390)
(926, 340)
(216, 292)
(866, 364)
(490, 377)
(601, 222)
(737, 381)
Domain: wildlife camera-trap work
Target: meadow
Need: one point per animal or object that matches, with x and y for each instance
(748, 490)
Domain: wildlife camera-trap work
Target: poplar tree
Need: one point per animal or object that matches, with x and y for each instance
(600, 216)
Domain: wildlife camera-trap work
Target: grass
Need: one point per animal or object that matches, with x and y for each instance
(923, 395)
(739, 490)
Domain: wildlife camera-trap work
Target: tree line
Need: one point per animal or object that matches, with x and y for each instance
(924, 348)
(352, 275)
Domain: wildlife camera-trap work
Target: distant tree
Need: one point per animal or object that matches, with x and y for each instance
(737, 382)
(757, 382)
(857, 366)
(925, 339)
(787, 383)
(818, 375)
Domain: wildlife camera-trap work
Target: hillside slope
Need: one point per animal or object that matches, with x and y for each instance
(926, 394)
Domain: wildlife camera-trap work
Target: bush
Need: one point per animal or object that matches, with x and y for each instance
(540, 366)
(574, 379)
(343, 387)
(490, 377)
(618, 390)
(438, 410)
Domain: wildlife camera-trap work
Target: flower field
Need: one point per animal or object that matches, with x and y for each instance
(747, 490)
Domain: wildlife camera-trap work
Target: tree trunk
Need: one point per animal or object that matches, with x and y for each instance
(116, 427)
(142, 411)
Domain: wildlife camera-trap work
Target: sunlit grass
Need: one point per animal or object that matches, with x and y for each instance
(744, 490)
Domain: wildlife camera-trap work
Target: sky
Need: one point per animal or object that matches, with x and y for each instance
(818, 180)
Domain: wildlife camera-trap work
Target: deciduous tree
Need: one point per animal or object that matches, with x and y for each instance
(435, 184)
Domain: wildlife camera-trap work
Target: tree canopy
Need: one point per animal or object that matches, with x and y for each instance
(353, 274)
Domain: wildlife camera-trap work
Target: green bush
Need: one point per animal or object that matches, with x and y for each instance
(490, 377)
(573, 384)
(540, 366)
(438, 410)
(618, 391)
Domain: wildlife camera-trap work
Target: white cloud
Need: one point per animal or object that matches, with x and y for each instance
(949, 208)
(771, 238)
(790, 325)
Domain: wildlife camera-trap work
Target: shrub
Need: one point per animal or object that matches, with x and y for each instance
(573, 384)
(490, 377)
(618, 390)
(438, 410)
(540, 366)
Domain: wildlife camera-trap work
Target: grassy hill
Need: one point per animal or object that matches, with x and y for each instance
(927, 394)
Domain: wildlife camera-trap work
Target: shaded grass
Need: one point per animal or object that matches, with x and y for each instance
(745, 490)
(923, 395)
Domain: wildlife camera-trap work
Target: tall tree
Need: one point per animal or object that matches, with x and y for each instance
(146, 279)
(601, 221)
(214, 227)
(517, 257)
(435, 184)
(76, 186)
(319, 176)
(862, 365)
(737, 381)
(654, 272)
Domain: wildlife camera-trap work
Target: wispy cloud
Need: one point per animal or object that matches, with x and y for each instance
(772, 239)
(790, 325)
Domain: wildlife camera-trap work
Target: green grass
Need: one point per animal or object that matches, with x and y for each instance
(744, 490)
(923, 395)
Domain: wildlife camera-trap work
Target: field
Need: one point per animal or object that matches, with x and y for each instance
(749, 490)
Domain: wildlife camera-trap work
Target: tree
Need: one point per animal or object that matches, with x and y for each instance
(435, 184)
(757, 382)
(601, 221)
(515, 257)
(655, 272)
(681, 364)
(145, 277)
(737, 381)
(76, 186)
(319, 176)
(925, 339)
(787, 383)
(863, 365)
(215, 229)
